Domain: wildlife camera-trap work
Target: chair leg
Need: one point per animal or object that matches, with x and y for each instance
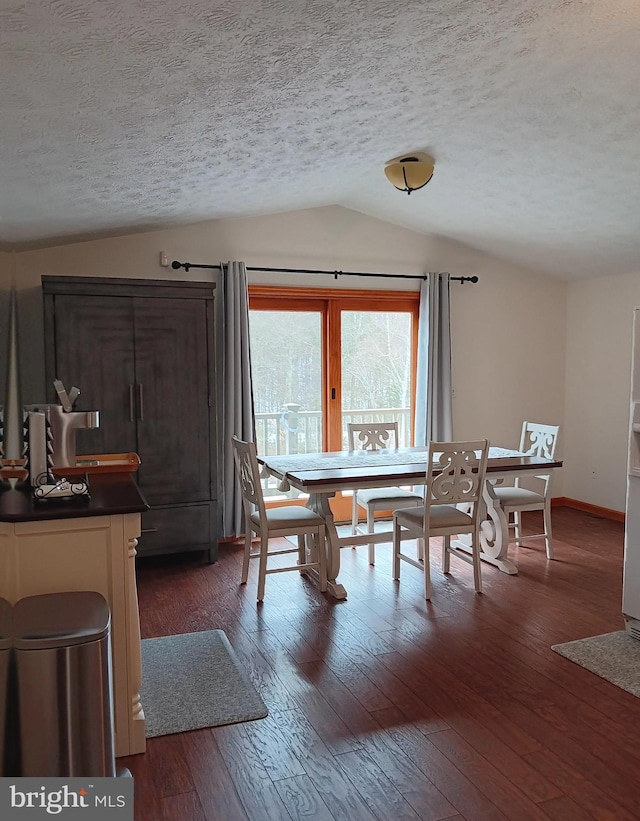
(321, 553)
(477, 572)
(247, 554)
(371, 529)
(446, 555)
(354, 515)
(396, 549)
(262, 566)
(420, 544)
(302, 549)
(548, 540)
(517, 527)
(427, 570)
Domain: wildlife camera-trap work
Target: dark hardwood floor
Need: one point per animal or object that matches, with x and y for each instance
(387, 707)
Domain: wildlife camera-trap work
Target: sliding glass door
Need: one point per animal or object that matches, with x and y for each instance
(376, 353)
(286, 366)
(323, 358)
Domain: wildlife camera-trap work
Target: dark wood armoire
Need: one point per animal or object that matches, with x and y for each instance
(142, 353)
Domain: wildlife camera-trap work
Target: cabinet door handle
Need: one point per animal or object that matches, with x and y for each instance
(131, 413)
(140, 403)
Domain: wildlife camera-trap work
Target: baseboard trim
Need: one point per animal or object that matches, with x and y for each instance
(585, 507)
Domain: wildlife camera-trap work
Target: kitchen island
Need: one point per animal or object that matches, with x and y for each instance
(79, 543)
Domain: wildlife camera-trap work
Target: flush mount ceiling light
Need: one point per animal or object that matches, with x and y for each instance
(411, 172)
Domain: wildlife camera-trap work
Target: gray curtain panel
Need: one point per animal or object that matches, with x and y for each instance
(237, 399)
(434, 418)
(12, 416)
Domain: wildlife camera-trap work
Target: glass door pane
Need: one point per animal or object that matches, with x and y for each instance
(286, 366)
(376, 370)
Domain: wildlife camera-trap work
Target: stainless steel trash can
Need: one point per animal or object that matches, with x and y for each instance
(63, 663)
(5, 658)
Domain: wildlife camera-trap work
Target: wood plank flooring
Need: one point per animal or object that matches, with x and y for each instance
(387, 707)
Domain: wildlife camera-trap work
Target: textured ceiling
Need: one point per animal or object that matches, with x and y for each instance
(122, 115)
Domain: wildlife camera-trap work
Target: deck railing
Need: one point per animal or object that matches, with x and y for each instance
(297, 431)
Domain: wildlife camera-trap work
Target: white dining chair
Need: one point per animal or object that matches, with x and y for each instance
(375, 436)
(291, 520)
(455, 479)
(535, 440)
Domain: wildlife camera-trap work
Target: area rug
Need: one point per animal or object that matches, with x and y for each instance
(612, 656)
(195, 680)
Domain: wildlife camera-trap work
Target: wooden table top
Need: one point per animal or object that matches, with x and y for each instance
(412, 471)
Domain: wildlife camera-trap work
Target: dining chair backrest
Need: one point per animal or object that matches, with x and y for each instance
(248, 473)
(455, 473)
(539, 440)
(372, 435)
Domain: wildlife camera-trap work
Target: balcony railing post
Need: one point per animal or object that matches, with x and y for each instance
(290, 422)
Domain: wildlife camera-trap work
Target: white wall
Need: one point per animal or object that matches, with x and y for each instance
(508, 330)
(599, 326)
(330, 237)
(508, 341)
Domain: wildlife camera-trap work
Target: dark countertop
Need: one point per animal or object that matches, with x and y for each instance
(109, 494)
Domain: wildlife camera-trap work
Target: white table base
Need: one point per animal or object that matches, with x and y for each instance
(319, 503)
(494, 535)
(494, 529)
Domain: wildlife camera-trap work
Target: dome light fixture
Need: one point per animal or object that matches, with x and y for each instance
(411, 172)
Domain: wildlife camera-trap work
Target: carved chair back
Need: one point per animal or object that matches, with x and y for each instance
(539, 440)
(455, 473)
(248, 473)
(372, 435)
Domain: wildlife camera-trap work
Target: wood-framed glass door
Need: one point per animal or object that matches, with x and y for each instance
(322, 358)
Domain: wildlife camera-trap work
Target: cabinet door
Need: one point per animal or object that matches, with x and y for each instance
(94, 350)
(172, 395)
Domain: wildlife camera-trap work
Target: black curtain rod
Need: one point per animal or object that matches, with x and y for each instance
(335, 274)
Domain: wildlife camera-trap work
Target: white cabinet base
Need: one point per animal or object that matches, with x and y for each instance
(91, 553)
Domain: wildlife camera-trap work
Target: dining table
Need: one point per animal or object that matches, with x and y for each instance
(321, 476)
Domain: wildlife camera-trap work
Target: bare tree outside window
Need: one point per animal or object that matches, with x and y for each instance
(287, 368)
(376, 369)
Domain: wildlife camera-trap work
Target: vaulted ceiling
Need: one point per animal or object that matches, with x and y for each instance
(117, 116)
